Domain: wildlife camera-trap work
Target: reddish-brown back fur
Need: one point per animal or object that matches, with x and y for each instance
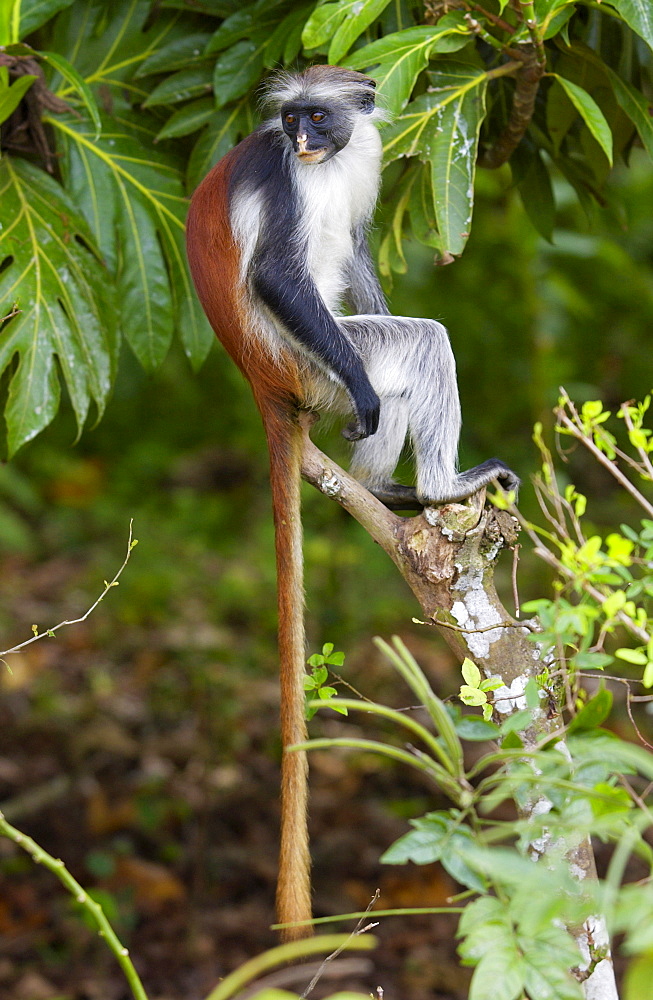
(214, 257)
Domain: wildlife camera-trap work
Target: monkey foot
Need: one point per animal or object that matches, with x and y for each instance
(398, 497)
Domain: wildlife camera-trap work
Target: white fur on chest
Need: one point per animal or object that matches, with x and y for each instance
(335, 197)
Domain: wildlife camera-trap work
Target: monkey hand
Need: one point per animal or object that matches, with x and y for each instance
(367, 407)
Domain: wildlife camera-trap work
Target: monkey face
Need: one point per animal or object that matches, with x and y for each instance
(316, 132)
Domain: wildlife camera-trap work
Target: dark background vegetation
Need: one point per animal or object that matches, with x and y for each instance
(142, 746)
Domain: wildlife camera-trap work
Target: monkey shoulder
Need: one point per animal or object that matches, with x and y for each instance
(259, 164)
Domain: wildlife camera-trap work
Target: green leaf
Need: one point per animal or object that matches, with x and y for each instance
(594, 712)
(323, 23)
(259, 18)
(610, 800)
(34, 13)
(637, 656)
(399, 58)
(454, 861)
(359, 17)
(532, 692)
(423, 845)
(69, 73)
(639, 977)
(285, 43)
(472, 727)
(472, 696)
(636, 106)
(441, 127)
(422, 213)
(10, 97)
(106, 44)
(223, 131)
(536, 192)
(638, 14)
(499, 974)
(512, 741)
(53, 271)
(188, 119)
(177, 54)
(590, 112)
(438, 837)
(6, 12)
(182, 86)
(471, 673)
(517, 721)
(133, 199)
(237, 70)
(418, 846)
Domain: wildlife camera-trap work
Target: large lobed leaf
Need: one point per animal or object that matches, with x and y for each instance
(638, 14)
(131, 191)
(441, 128)
(134, 202)
(50, 269)
(396, 60)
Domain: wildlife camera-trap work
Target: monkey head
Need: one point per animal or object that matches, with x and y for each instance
(318, 109)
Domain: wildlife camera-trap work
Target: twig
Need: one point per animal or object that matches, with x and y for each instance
(549, 557)
(515, 586)
(630, 698)
(132, 542)
(472, 631)
(646, 461)
(94, 910)
(357, 931)
(573, 426)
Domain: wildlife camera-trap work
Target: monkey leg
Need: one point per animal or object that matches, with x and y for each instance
(375, 458)
(412, 368)
(410, 365)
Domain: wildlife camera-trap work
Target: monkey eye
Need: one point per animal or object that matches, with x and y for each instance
(318, 116)
(290, 119)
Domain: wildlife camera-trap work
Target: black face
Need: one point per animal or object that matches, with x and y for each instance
(317, 132)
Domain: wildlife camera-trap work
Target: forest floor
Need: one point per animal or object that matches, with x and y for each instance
(158, 786)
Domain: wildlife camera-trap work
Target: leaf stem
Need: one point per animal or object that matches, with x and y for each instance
(94, 910)
(76, 621)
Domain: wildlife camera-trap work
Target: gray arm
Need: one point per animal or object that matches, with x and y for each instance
(364, 292)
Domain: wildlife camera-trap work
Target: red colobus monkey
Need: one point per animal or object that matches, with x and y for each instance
(277, 242)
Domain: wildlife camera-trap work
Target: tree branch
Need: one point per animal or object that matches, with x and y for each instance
(447, 556)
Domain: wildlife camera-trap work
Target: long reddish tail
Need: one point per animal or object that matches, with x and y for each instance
(294, 886)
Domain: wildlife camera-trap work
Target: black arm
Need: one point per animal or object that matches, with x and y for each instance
(292, 297)
(364, 293)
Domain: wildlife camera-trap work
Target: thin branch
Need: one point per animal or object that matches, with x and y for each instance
(513, 577)
(574, 428)
(50, 632)
(92, 908)
(358, 929)
(472, 631)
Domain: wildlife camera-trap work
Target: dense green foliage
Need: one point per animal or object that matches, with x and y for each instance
(142, 98)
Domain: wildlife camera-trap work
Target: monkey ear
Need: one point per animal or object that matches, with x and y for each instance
(367, 100)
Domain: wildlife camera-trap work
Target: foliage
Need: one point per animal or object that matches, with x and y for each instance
(475, 689)
(142, 98)
(315, 684)
(595, 784)
(605, 585)
(512, 932)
